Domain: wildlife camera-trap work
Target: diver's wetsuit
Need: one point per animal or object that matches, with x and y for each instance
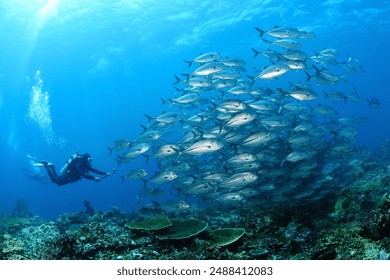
(76, 168)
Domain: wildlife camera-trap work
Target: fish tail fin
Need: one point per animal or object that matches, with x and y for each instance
(223, 93)
(282, 163)
(145, 182)
(178, 89)
(123, 178)
(345, 98)
(119, 160)
(178, 80)
(215, 191)
(326, 94)
(316, 68)
(148, 117)
(252, 78)
(268, 42)
(189, 63)
(356, 61)
(110, 150)
(281, 90)
(187, 77)
(291, 84)
(163, 101)
(213, 104)
(178, 190)
(261, 32)
(369, 102)
(308, 76)
(144, 128)
(256, 52)
(147, 158)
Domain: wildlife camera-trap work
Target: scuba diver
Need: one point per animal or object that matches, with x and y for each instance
(77, 167)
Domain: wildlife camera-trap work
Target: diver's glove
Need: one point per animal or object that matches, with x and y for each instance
(97, 179)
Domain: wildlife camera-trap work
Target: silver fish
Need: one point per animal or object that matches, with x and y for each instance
(209, 68)
(203, 147)
(135, 174)
(237, 90)
(119, 144)
(226, 74)
(233, 106)
(258, 138)
(220, 83)
(233, 62)
(306, 34)
(374, 103)
(262, 105)
(329, 52)
(324, 110)
(205, 57)
(231, 198)
(303, 94)
(335, 95)
(186, 99)
(295, 65)
(163, 177)
(300, 139)
(235, 137)
(297, 156)
(200, 187)
(249, 192)
(241, 158)
(240, 119)
(295, 55)
(273, 71)
(180, 167)
(280, 32)
(167, 150)
(217, 177)
(153, 192)
(133, 152)
(239, 180)
(148, 136)
(285, 43)
(170, 117)
(276, 121)
(172, 206)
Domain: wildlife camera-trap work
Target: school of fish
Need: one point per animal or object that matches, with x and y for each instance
(238, 138)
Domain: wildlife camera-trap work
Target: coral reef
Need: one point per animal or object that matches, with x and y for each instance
(151, 224)
(352, 224)
(181, 229)
(226, 236)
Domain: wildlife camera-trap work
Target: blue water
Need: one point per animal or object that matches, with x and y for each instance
(76, 75)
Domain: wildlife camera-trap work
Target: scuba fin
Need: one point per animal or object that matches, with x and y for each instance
(33, 159)
(38, 163)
